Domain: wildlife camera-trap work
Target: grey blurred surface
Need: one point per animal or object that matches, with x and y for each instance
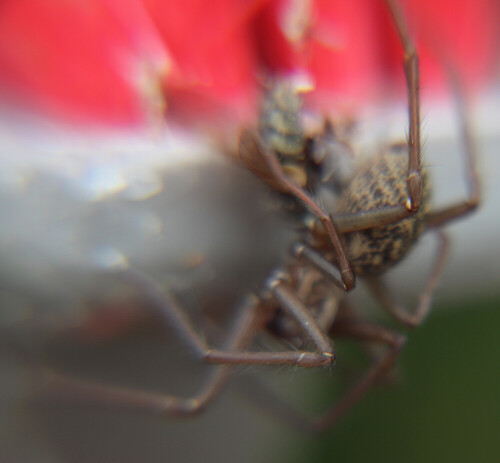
(73, 208)
(185, 215)
(68, 226)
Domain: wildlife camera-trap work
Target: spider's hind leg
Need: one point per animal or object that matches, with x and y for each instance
(414, 317)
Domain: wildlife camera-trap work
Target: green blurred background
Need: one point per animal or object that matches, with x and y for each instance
(445, 407)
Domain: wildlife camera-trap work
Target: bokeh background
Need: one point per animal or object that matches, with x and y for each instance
(116, 118)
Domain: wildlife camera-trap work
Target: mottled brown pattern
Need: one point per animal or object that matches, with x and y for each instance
(280, 122)
(380, 183)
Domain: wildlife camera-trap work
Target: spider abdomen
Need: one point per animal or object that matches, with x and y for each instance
(380, 183)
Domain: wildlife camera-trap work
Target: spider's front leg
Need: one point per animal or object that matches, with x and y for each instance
(411, 66)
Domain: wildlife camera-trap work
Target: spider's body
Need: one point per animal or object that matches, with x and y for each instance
(280, 122)
(281, 129)
(376, 183)
(381, 183)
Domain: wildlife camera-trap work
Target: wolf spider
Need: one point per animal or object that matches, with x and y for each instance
(380, 213)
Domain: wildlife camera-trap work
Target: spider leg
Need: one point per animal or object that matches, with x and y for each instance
(286, 298)
(252, 319)
(413, 83)
(250, 142)
(60, 386)
(366, 332)
(415, 317)
(272, 403)
(377, 217)
(57, 387)
(472, 178)
(318, 261)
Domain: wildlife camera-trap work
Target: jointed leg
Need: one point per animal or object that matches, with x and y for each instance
(436, 219)
(261, 161)
(358, 221)
(56, 387)
(439, 218)
(407, 318)
(296, 310)
(59, 386)
(415, 317)
(256, 317)
(318, 261)
(413, 81)
(371, 333)
(252, 319)
(273, 404)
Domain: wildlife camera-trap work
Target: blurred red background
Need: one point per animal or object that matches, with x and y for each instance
(115, 61)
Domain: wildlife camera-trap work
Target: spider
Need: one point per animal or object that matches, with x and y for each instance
(382, 209)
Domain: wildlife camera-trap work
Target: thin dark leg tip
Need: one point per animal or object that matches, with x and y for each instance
(348, 279)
